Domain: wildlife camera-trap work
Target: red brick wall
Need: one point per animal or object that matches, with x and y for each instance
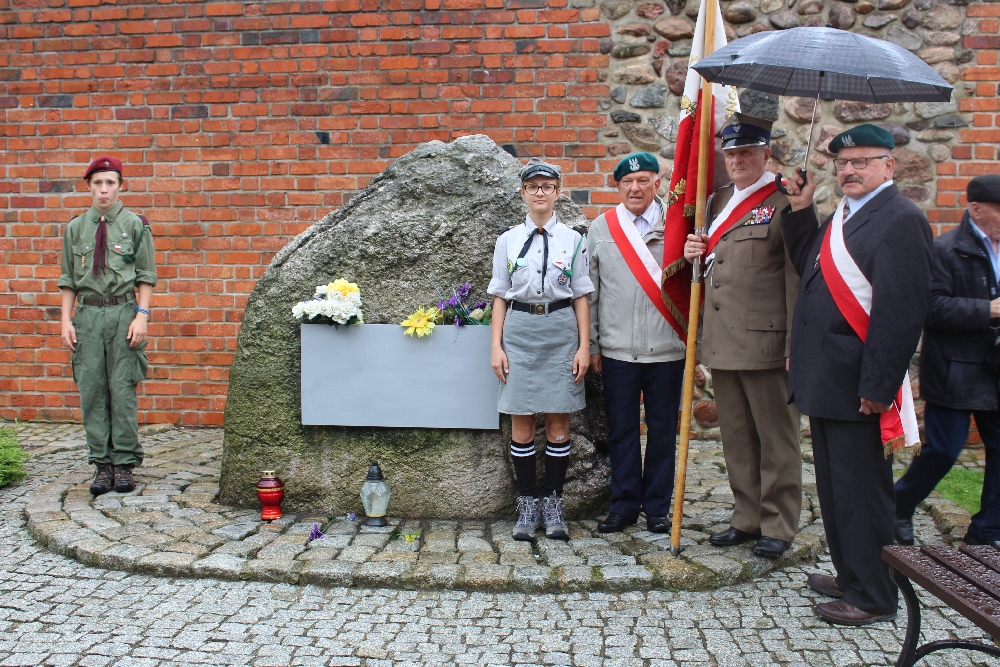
(976, 151)
(240, 125)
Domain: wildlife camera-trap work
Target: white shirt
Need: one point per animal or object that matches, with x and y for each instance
(526, 283)
(650, 216)
(856, 204)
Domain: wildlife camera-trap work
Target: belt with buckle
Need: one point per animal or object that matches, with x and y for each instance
(106, 300)
(541, 308)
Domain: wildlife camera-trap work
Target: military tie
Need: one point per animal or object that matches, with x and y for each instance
(101, 245)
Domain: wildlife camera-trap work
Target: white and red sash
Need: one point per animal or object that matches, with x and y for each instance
(742, 202)
(640, 262)
(852, 293)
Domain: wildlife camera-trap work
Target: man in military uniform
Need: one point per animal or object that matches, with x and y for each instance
(107, 253)
(750, 289)
(865, 288)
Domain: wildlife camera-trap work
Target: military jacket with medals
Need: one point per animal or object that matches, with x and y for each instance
(750, 289)
(128, 255)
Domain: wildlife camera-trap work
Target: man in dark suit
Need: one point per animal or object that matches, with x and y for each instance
(845, 383)
(960, 362)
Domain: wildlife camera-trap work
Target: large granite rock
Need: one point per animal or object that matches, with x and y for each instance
(426, 223)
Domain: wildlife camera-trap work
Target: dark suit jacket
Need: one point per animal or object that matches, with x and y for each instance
(958, 336)
(831, 368)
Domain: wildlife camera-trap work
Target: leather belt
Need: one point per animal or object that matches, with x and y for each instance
(541, 308)
(106, 300)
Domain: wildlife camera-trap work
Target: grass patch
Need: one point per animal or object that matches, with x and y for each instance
(11, 458)
(964, 487)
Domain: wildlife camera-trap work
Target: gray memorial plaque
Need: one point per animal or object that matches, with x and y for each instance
(374, 375)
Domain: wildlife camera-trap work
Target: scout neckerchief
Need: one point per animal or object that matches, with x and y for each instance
(741, 203)
(520, 261)
(639, 261)
(852, 293)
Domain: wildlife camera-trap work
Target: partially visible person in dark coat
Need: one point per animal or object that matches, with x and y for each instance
(844, 383)
(960, 362)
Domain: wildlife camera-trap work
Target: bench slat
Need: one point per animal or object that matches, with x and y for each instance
(985, 554)
(962, 564)
(957, 592)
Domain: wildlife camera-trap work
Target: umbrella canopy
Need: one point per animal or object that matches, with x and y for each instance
(836, 64)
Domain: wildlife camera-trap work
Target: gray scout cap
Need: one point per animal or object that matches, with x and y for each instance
(538, 167)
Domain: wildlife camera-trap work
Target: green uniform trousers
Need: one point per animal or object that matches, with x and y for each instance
(106, 370)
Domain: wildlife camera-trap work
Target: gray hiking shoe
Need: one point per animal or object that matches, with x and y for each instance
(552, 516)
(527, 518)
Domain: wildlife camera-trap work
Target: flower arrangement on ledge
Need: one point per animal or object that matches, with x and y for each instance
(338, 303)
(459, 309)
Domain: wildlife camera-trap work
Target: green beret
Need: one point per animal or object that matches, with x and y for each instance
(636, 162)
(862, 135)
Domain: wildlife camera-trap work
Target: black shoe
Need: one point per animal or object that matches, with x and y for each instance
(904, 532)
(616, 523)
(768, 547)
(103, 479)
(658, 524)
(731, 537)
(972, 539)
(123, 479)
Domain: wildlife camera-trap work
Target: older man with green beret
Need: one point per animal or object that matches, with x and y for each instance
(107, 255)
(634, 347)
(863, 297)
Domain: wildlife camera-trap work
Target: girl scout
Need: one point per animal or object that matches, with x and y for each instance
(541, 331)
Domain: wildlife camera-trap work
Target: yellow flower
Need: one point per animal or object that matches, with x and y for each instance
(421, 322)
(342, 286)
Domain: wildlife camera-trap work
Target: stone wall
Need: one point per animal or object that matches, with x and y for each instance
(651, 41)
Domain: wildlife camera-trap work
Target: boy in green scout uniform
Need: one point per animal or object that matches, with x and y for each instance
(107, 252)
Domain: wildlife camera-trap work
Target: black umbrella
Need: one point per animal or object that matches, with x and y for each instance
(825, 63)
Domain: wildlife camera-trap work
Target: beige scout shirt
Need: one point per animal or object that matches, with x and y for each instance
(624, 324)
(120, 276)
(750, 291)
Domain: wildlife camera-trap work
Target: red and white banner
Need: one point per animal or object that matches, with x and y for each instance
(852, 293)
(639, 260)
(741, 203)
(676, 283)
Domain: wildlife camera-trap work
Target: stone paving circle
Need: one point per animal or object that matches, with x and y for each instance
(172, 525)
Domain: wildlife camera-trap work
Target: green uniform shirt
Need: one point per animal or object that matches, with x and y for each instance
(119, 275)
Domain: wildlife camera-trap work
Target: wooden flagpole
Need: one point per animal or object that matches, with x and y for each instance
(701, 195)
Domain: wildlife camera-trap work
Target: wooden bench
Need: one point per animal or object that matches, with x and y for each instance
(966, 579)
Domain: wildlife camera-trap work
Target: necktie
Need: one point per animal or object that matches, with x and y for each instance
(101, 245)
(847, 210)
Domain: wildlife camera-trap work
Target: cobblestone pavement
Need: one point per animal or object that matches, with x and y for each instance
(57, 611)
(171, 525)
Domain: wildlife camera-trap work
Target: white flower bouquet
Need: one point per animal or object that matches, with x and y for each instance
(338, 303)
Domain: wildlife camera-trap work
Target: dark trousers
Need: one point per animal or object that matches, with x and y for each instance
(854, 481)
(947, 431)
(636, 485)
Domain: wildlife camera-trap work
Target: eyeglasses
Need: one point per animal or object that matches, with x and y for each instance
(629, 182)
(858, 163)
(533, 188)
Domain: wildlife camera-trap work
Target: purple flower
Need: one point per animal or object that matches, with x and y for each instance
(453, 301)
(479, 304)
(459, 322)
(464, 289)
(441, 305)
(316, 533)
(351, 516)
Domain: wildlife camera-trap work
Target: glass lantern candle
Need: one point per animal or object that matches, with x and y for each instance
(375, 495)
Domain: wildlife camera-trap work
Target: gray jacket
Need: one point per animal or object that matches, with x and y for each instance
(624, 323)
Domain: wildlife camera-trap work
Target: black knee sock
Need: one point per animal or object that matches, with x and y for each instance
(525, 472)
(556, 462)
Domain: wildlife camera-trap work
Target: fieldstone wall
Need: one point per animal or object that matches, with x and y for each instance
(651, 40)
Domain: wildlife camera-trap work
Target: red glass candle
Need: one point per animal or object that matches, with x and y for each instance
(270, 493)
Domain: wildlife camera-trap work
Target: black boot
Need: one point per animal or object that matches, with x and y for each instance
(123, 479)
(103, 479)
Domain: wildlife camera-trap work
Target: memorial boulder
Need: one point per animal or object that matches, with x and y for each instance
(426, 224)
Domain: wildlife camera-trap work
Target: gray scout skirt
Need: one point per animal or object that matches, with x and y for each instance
(540, 350)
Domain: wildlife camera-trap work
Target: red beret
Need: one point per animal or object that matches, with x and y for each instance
(104, 163)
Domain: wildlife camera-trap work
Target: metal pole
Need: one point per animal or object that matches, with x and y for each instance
(704, 153)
